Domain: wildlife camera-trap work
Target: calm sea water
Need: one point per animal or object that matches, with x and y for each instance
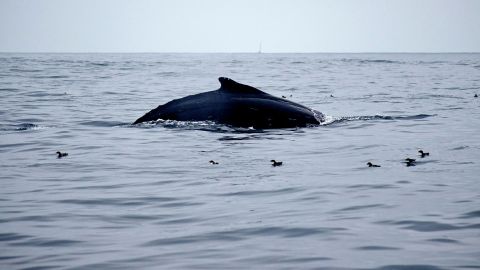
(146, 196)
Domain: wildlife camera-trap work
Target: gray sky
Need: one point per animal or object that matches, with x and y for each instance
(239, 25)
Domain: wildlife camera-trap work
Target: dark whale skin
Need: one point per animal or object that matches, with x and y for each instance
(237, 105)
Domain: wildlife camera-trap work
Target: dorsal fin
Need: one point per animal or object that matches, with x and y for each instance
(230, 85)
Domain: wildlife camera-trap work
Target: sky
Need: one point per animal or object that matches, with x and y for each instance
(239, 25)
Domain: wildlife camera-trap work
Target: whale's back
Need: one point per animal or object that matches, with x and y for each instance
(237, 105)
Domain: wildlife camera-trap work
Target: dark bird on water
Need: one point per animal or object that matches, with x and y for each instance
(423, 154)
(409, 162)
(60, 154)
(475, 95)
(372, 165)
(213, 162)
(276, 163)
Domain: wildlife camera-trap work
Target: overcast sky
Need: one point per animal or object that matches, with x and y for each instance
(239, 25)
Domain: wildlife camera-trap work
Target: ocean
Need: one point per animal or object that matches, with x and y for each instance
(146, 197)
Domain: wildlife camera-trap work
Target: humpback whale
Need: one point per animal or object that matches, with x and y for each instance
(236, 105)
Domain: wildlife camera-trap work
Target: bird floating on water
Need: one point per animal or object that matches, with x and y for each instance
(60, 154)
(276, 163)
(372, 165)
(409, 162)
(213, 162)
(423, 154)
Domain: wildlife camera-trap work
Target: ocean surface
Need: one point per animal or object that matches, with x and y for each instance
(146, 197)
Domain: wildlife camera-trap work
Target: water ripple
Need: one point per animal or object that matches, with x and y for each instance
(125, 201)
(360, 207)
(246, 233)
(373, 248)
(42, 242)
(409, 267)
(430, 226)
(473, 214)
(443, 240)
(260, 192)
(12, 237)
(19, 127)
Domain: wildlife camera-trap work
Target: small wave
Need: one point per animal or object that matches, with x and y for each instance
(361, 207)
(5, 237)
(168, 74)
(5, 258)
(26, 126)
(121, 201)
(371, 186)
(463, 147)
(51, 77)
(380, 61)
(44, 242)
(231, 138)
(234, 61)
(25, 70)
(430, 62)
(260, 192)
(333, 120)
(443, 240)
(473, 214)
(101, 64)
(377, 248)
(45, 94)
(19, 127)
(246, 136)
(195, 125)
(175, 124)
(429, 226)
(438, 96)
(370, 61)
(414, 117)
(329, 120)
(104, 123)
(215, 127)
(409, 267)
(242, 233)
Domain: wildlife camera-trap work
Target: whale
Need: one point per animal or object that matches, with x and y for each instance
(237, 105)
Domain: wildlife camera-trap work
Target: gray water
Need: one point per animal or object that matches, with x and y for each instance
(146, 196)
